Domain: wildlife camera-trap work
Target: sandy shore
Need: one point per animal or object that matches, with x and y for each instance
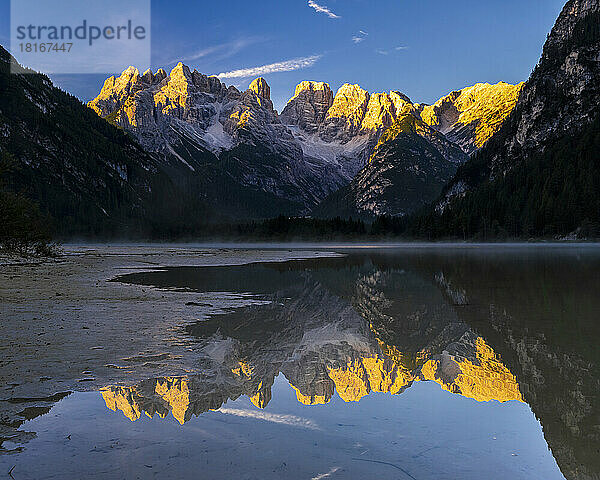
(66, 327)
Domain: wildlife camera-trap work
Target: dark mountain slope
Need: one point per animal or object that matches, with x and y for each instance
(89, 176)
(540, 175)
(409, 167)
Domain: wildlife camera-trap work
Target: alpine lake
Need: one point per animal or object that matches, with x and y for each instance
(296, 362)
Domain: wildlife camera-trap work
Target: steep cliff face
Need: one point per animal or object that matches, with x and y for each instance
(344, 118)
(563, 92)
(309, 106)
(342, 129)
(539, 174)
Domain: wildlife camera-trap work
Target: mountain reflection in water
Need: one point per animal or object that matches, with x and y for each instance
(485, 326)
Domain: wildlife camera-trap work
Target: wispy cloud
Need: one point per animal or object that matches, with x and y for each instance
(322, 9)
(290, 420)
(221, 51)
(286, 66)
(381, 51)
(325, 475)
(360, 36)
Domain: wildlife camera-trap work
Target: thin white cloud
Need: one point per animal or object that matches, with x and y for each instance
(322, 9)
(222, 50)
(325, 475)
(201, 53)
(382, 51)
(360, 36)
(286, 66)
(290, 420)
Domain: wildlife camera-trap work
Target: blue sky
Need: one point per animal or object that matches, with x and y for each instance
(424, 48)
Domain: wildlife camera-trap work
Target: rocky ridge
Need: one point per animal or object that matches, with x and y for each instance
(407, 152)
(193, 119)
(560, 96)
(344, 128)
(471, 116)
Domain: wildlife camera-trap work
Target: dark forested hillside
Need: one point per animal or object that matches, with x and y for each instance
(90, 177)
(408, 169)
(540, 175)
(551, 193)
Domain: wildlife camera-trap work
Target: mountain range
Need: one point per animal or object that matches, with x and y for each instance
(315, 147)
(167, 153)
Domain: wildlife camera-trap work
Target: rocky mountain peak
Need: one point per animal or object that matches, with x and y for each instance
(127, 79)
(380, 114)
(471, 116)
(312, 89)
(344, 118)
(565, 86)
(130, 72)
(350, 113)
(116, 89)
(180, 76)
(160, 74)
(399, 98)
(309, 106)
(349, 102)
(572, 12)
(148, 76)
(261, 88)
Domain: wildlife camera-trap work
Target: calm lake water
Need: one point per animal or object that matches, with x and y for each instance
(384, 363)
